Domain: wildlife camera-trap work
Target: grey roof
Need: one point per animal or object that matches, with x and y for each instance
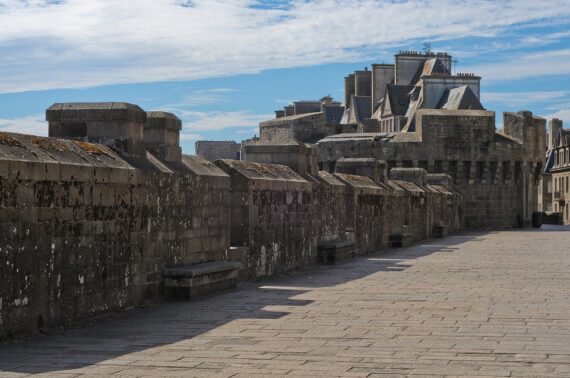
(460, 98)
(333, 114)
(431, 66)
(399, 98)
(362, 106)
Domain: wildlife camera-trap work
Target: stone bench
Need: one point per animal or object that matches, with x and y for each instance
(401, 240)
(335, 252)
(440, 231)
(192, 282)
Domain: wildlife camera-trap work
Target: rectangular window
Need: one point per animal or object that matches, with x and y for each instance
(506, 172)
(481, 172)
(518, 169)
(493, 172)
(467, 170)
(452, 168)
(438, 166)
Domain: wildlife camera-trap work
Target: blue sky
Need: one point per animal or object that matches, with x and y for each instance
(224, 66)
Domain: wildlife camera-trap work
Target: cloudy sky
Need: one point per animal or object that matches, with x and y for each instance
(224, 65)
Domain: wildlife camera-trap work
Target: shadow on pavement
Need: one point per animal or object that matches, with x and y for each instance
(111, 340)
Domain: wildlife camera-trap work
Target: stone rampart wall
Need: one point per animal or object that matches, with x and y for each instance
(280, 217)
(84, 232)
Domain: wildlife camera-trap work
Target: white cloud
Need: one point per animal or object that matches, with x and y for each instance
(77, 43)
(186, 136)
(544, 39)
(204, 97)
(193, 121)
(563, 114)
(546, 63)
(32, 124)
(524, 98)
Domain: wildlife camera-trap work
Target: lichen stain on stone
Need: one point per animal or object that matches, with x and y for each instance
(48, 143)
(8, 140)
(95, 149)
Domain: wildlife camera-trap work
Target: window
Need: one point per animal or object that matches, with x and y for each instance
(506, 172)
(493, 171)
(481, 172)
(453, 170)
(438, 166)
(467, 170)
(518, 169)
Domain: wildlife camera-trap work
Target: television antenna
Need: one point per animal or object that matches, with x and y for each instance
(427, 47)
(455, 63)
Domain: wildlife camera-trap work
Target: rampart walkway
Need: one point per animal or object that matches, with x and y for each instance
(494, 304)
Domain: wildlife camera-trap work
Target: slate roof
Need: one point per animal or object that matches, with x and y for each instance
(433, 66)
(361, 107)
(333, 114)
(399, 98)
(460, 98)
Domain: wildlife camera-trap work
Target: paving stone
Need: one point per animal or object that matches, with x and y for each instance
(495, 304)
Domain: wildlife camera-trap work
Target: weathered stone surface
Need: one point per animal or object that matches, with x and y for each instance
(84, 232)
(416, 175)
(376, 170)
(115, 124)
(162, 135)
(214, 150)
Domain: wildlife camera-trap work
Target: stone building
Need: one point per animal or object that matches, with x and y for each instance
(558, 166)
(497, 172)
(386, 98)
(417, 113)
(213, 149)
(304, 121)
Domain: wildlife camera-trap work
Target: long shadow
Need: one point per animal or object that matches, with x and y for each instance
(112, 339)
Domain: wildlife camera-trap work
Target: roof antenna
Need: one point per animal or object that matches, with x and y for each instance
(427, 48)
(455, 63)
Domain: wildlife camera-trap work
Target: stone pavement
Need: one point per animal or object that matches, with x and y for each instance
(484, 304)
